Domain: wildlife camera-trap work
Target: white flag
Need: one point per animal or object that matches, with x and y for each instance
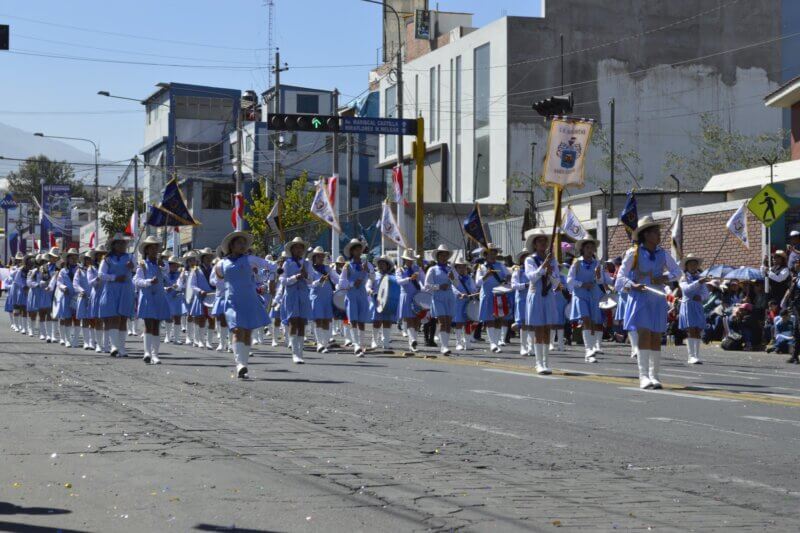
(572, 226)
(737, 224)
(322, 208)
(677, 235)
(390, 228)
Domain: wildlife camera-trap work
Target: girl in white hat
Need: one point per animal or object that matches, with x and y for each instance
(64, 300)
(541, 268)
(465, 291)
(439, 281)
(153, 305)
(354, 279)
(200, 281)
(519, 284)
(117, 300)
(188, 322)
(645, 270)
(492, 273)
(101, 339)
(584, 279)
(691, 317)
(381, 320)
(408, 277)
(323, 285)
(83, 311)
(174, 299)
(296, 300)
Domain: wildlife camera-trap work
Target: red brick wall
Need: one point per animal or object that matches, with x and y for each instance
(703, 235)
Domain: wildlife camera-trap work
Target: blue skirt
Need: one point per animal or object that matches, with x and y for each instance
(296, 301)
(177, 306)
(9, 305)
(586, 304)
(34, 303)
(62, 309)
(321, 303)
(217, 309)
(542, 311)
(622, 304)
(357, 305)
(116, 300)
(561, 305)
(691, 315)
(645, 310)
(520, 307)
(460, 313)
(443, 304)
(405, 309)
(94, 302)
(196, 308)
(17, 295)
(153, 304)
(245, 310)
(82, 312)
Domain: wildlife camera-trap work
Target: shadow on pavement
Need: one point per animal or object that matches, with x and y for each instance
(10, 508)
(26, 528)
(211, 527)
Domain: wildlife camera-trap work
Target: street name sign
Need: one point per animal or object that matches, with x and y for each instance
(381, 126)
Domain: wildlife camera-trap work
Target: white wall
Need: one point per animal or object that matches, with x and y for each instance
(159, 125)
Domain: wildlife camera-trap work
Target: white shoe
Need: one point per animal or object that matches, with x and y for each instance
(154, 360)
(493, 348)
(591, 359)
(221, 347)
(255, 342)
(656, 384)
(551, 347)
(208, 346)
(373, 345)
(41, 337)
(98, 349)
(501, 343)
(540, 369)
(645, 383)
(694, 361)
(296, 359)
(274, 342)
(459, 348)
(241, 371)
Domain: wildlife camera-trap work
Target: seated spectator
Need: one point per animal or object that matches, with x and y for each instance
(741, 322)
(784, 340)
(773, 311)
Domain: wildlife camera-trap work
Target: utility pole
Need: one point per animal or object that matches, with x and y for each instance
(401, 212)
(239, 150)
(135, 162)
(335, 168)
(348, 206)
(280, 187)
(612, 104)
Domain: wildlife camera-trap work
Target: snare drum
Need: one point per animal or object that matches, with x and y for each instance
(502, 290)
(338, 299)
(473, 310)
(423, 301)
(609, 301)
(388, 295)
(209, 299)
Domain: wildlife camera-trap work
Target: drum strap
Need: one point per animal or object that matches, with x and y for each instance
(495, 274)
(545, 281)
(409, 272)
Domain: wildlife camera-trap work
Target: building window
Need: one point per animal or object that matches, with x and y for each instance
(199, 155)
(248, 144)
(457, 126)
(432, 105)
(218, 195)
(308, 103)
(203, 108)
(481, 122)
(390, 111)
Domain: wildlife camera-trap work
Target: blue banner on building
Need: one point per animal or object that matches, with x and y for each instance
(57, 213)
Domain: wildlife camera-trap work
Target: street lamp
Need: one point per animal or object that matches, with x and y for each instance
(96, 176)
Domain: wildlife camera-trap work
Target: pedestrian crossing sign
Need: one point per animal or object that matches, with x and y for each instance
(768, 205)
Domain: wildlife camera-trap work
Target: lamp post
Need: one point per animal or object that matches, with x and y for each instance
(96, 176)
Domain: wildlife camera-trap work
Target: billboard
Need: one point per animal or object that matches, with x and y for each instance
(57, 217)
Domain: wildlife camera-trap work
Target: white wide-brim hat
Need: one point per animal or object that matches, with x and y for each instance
(147, 241)
(442, 249)
(386, 259)
(644, 223)
(118, 237)
(226, 241)
(349, 246)
(409, 255)
(319, 250)
(297, 241)
(691, 257)
(521, 254)
(532, 234)
(580, 242)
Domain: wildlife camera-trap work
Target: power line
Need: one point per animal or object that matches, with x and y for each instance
(36, 53)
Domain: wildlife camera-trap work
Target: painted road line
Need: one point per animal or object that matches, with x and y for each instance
(755, 484)
(795, 423)
(518, 396)
(393, 378)
(517, 373)
(711, 427)
(700, 374)
(680, 394)
(790, 375)
(486, 429)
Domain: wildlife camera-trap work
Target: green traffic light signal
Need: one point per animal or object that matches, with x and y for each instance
(316, 122)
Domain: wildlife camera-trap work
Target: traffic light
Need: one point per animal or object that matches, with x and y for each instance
(555, 105)
(289, 122)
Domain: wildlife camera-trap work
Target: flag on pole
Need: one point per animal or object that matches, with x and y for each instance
(629, 215)
(389, 227)
(473, 227)
(176, 241)
(53, 242)
(737, 225)
(322, 208)
(275, 218)
(172, 210)
(677, 235)
(133, 225)
(572, 226)
(237, 213)
(333, 182)
(92, 237)
(397, 184)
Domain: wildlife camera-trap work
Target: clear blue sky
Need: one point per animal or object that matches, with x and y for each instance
(59, 96)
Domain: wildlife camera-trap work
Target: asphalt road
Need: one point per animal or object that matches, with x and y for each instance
(475, 442)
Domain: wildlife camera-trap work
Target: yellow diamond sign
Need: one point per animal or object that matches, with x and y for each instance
(768, 205)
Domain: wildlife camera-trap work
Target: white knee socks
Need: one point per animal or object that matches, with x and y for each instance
(633, 336)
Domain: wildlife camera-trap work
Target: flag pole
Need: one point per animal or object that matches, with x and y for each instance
(724, 241)
(557, 190)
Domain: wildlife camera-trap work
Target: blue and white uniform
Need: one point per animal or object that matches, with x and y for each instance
(35, 290)
(175, 293)
(116, 299)
(219, 298)
(645, 309)
(18, 294)
(541, 303)
(47, 293)
(695, 292)
(96, 286)
(519, 284)
(64, 303)
(354, 279)
(243, 307)
(84, 292)
(408, 288)
(586, 301)
(463, 286)
(150, 281)
(296, 300)
(200, 281)
(322, 292)
(487, 285)
(443, 303)
(8, 284)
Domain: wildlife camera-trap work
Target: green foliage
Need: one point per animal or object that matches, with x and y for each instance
(718, 150)
(118, 210)
(26, 182)
(297, 217)
(625, 160)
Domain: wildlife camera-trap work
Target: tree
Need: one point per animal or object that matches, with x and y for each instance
(117, 213)
(718, 150)
(297, 217)
(625, 160)
(26, 182)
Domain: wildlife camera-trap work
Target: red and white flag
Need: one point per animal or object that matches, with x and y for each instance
(133, 225)
(500, 306)
(53, 243)
(333, 182)
(322, 208)
(397, 183)
(92, 237)
(237, 213)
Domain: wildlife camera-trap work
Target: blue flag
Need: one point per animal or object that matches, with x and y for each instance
(629, 215)
(172, 210)
(473, 227)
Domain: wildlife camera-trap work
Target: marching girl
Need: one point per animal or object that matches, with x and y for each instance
(519, 284)
(339, 316)
(64, 304)
(323, 282)
(645, 270)
(354, 280)
(465, 290)
(439, 281)
(489, 275)
(8, 285)
(244, 311)
(83, 312)
(561, 305)
(584, 279)
(189, 264)
(116, 300)
(18, 293)
(174, 299)
(33, 301)
(52, 257)
(408, 276)
(296, 301)
(381, 321)
(153, 304)
(277, 298)
(508, 319)
(96, 283)
(541, 270)
(691, 317)
(218, 309)
(200, 281)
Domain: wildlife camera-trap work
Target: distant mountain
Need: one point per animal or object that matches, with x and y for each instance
(21, 144)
